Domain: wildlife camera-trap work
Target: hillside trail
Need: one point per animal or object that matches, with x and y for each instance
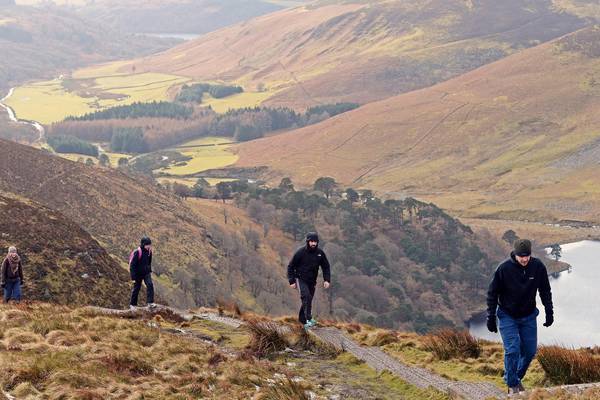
(372, 356)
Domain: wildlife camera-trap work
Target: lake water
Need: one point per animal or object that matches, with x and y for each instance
(576, 296)
(182, 36)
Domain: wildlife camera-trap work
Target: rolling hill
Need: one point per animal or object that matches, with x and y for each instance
(117, 210)
(62, 263)
(361, 51)
(174, 16)
(42, 42)
(516, 139)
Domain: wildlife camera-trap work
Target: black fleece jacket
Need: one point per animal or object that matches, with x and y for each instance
(305, 265)
(140, 266)
(514, 287)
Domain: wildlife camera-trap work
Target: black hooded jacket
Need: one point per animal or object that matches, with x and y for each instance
(140, 266)
(305, 265)
(514, 288)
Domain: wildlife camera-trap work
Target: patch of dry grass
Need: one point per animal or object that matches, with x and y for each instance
(75, 354)
(450, 343)
(569, 366)
(266, 338)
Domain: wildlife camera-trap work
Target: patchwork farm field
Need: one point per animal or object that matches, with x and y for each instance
(54, 100)
(206, 153)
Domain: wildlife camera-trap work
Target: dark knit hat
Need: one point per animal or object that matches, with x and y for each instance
(145, 241)
(312, 236)
(522, 247)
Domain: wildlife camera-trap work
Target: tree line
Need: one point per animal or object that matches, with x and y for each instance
(155, 109)
(160, 133)
(71, 144)
(398, 263)
(194, 93)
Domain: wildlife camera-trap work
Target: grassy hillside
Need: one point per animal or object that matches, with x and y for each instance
(62, 263)
(79, 353)
(363, 51)
(74, 353)
(195, 262)
(516, 139)
(117, 210)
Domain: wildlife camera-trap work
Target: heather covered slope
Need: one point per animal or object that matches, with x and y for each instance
(117, 210)
(514, 139)
(363, 51)
(62, 262)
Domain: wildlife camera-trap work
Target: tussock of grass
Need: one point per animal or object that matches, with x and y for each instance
(230, 308)
(36, 373)
(449, 343)
(302, 340)
(381, 338)
(569, 366)
(44, 326)
(67, 339)
(285, 389)
(216, 358)
(127, 364)
(145, 337)
(266, 338)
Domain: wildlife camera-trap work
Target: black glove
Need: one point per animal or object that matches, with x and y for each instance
(492, 324)
(549, 320)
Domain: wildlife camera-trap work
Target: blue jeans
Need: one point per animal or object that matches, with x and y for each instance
(519, 336)
(136, 290)
(12, 291)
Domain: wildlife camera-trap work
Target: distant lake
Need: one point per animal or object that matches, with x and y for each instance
(182, 36)
(576, 299)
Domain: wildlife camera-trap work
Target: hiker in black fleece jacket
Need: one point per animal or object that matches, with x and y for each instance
(512, 309)
(303, 270)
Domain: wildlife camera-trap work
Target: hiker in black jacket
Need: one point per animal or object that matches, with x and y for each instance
(140, 268)
(303, 270)
(511, 300)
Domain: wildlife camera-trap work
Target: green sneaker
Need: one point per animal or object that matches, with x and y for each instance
(312, 322)
(307, 325)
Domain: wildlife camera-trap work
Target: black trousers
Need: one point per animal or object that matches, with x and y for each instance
(138, 285)
(307, 292)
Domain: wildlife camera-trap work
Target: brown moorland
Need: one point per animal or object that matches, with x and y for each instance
(516, 139)
(331, 51)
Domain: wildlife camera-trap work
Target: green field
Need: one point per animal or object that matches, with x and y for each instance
(52, 101)
(192, 181)
(207, 153)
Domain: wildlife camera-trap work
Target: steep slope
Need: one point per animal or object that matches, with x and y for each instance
(117, 210)
(515, 139)
(363, 51)
(42, 42)
(62, 263)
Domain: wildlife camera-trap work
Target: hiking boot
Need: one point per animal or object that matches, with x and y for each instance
(151, 305)
(513, 390)
(521, 387)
